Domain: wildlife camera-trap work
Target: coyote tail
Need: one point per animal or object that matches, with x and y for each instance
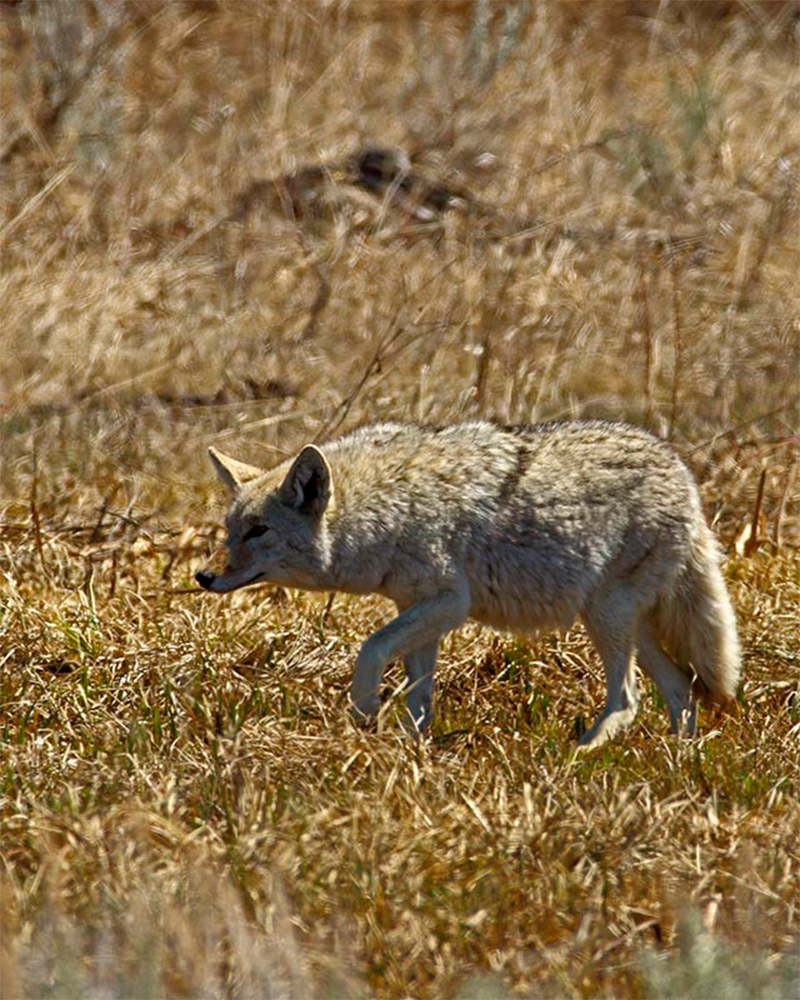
(697, 623)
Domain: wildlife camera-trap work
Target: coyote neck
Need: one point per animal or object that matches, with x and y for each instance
(361, 544)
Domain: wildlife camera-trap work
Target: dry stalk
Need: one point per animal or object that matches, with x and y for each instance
(321, 300)
(780, 515)
(647, 332)
(484, 362)
(491, 320)
(676, 320)
(37, 200)
(773, 225)
(755, 539)
(34, 509)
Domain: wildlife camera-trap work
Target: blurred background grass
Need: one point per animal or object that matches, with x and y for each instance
(258, 224)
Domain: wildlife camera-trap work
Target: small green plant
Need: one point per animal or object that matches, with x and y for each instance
(643, 160)
(694, 108)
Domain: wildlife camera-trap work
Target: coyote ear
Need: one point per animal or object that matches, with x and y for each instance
(308, 484)
(231, 472)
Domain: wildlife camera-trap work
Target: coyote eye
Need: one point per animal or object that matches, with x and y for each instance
(255, 532)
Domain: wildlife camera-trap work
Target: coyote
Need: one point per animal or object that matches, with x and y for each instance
(521, 528)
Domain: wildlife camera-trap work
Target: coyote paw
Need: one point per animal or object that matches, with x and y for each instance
(607, 727)
(416, 729)
(365, 713)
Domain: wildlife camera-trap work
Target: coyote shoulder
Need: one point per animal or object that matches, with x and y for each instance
(523, 528)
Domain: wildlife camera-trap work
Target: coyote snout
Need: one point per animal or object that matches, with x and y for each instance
(229, 579)
(522, 528)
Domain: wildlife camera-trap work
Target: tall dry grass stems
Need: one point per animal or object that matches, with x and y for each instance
(582, 209)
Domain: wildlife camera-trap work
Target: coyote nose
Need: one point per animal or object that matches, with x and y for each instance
(204, 578)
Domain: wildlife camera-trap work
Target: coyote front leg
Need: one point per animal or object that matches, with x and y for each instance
(416, 628)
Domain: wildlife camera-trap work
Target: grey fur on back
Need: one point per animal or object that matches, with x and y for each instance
(563, 504)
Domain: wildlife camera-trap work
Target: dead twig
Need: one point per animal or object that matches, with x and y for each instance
(34, 507)
(781, 512)
(647, 332)
(676, 320)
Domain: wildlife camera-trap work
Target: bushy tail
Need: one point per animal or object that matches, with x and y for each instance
(697, 624)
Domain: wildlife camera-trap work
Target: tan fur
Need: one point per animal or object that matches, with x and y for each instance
(523, 528)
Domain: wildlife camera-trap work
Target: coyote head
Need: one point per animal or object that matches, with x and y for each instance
(276, 528)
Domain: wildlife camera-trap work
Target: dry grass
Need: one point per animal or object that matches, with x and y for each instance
(185, 809)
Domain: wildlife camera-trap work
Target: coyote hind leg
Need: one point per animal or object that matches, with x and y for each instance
(674, 686)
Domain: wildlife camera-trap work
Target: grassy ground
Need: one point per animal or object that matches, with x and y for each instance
(603, 221)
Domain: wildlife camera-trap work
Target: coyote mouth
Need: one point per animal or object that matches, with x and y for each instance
(217, 584)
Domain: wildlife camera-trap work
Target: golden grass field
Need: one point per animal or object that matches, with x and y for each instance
(600, 218)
